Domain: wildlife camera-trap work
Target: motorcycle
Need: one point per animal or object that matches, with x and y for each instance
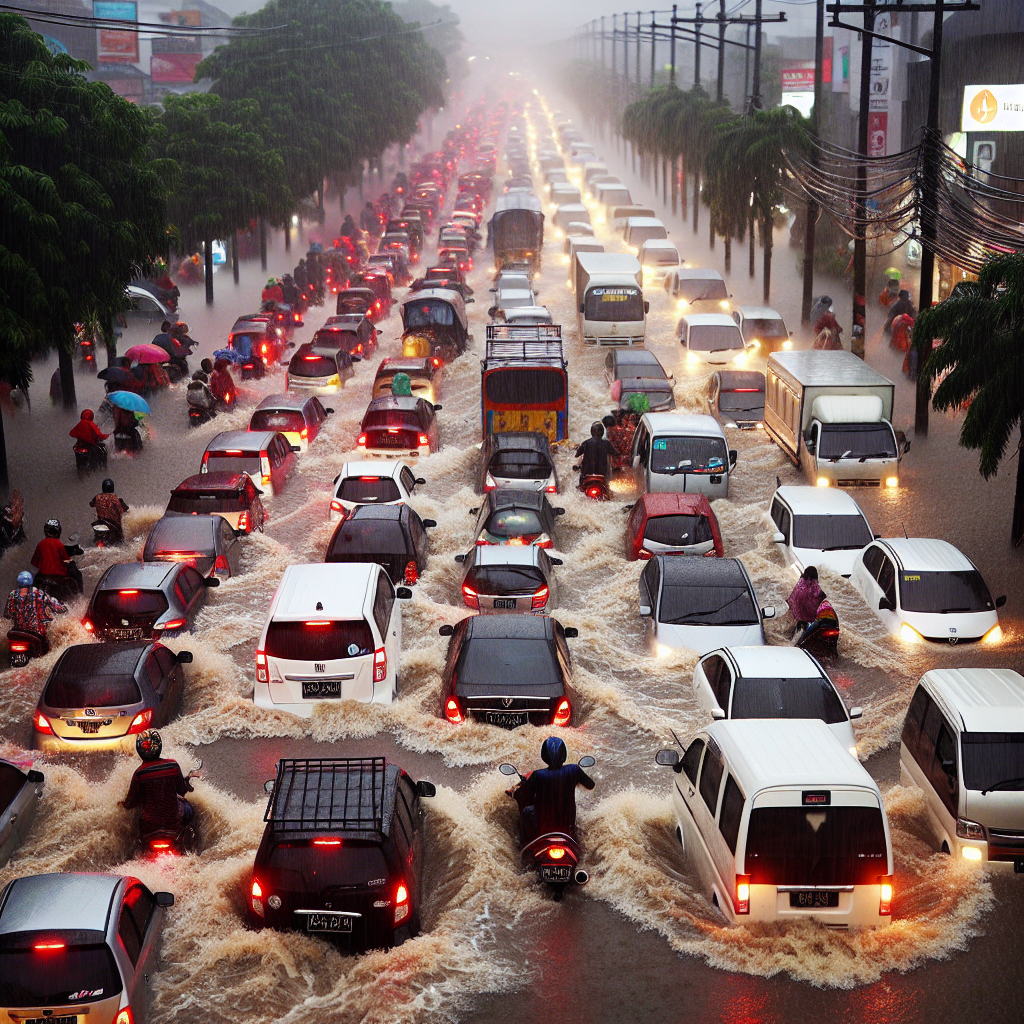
(823, 644)
(26, 644)
(198, 415)
(179, 841)
(64, 588)
(90, 456)
(596, 487)
(106, 533)
(554, 855)
(128, 440)
(12, 531)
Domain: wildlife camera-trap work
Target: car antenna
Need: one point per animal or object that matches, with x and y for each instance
(904, 530)
(319, 606)
(676, 738)
(778, 481)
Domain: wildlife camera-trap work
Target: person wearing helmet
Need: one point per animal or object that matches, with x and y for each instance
(272, 292)
(597, 454)
(221, 384)
(32, 609)
(52, 558)
(158, 788)
(86, 431)
(110, 508)
(547, 797)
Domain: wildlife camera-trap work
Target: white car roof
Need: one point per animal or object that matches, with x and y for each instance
(526, 311)
(793, 753)
(709, 320)
(987, 699)
(373, 467)
(644, 222)
(774, 662)
(506, 554)
(698, 274)
(339, 587)
(658, 243)
(927, 555)
(682, 423)
(759, 313)
(818, 501)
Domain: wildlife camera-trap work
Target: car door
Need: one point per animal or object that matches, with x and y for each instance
(13, 787)
(172, 679)
(783, 520)
(229, 546)
(407, 480)
(650, 585)
(641, 456)
(285, 460)
(705, 814)
(391, 615)
(134, 942)
(153, 685)
(865, 571)
(194, 591)
(712, 683)
(886, 590)
(685, 791)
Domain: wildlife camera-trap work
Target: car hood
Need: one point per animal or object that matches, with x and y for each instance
(961, 625)
(703, 639)
(840, 562)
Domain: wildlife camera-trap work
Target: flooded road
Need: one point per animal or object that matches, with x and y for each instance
(639, 942)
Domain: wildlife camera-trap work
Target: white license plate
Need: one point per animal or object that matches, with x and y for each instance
(506, 719)
(328, 922)
(555, 873)
(505, 602)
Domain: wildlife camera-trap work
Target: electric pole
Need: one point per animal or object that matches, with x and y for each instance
(812, 206)
(755, 97)
(860, 243)
(721, 49)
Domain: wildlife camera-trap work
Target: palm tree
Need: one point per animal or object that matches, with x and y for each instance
(981, 325)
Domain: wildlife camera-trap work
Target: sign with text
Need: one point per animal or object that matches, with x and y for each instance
(116, 45)
(174, 67)
(993, 108)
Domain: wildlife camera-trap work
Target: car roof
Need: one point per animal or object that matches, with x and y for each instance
(373, 467)
(635, 355)
(399, 364)
(683, 423)
(60, 902)
(243, 440)
(510, 627)
(100, 659)
(145, 575)
(927, 555)
(698, 274)
(659, 243)
(521, 441)
(507, 554)
(220, 481)
(987, 699)
(406, 403)
(818, 501)
(759, 313)
(507, 497)
(525, 311)
(286, 400)
(670, 503)
(338, 587)
(772, 662)
(702, 572)
(805, 753)
(179, 531)
(710, 319)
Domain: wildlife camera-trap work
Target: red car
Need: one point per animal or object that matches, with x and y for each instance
(672, 524)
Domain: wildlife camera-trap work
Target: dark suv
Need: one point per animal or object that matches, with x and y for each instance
(393, 536)
(342, 852)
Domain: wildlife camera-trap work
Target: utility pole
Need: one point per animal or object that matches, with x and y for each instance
(602, 41)
(721, 49)
(755, 97)
(746, 68)
(672, 57)
(625, 53)
(698, 21)
(812, 206)
(860, 243)
(638, 53)
(654, 46)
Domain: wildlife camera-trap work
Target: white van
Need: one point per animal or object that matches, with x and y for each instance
(781, 824)
(963, 745)
(657, 256)
(612, 193)
(334, 632)
(642, 229)
(567, 213)
(686, 453)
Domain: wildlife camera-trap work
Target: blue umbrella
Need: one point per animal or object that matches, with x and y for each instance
(129, 400)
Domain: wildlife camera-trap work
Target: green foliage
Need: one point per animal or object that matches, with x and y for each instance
(445, 37)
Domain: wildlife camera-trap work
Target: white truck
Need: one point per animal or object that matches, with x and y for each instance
(609, 298)
(831, 414)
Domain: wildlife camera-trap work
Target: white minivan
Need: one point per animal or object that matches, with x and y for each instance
(642, 229)
(334, 632)
(963, 745)
(780, 824)
(685, 453)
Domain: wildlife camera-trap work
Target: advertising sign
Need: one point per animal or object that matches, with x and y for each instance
(993, 108)
(115, 45)
(174, 67)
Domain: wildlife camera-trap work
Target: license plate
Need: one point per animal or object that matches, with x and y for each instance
(328, 922)
(125, 634)
(813, 898)
(321, 688)
(505, 602)
(555, 872)
(391, 441)
(91, 727)
(506, 719)
(51, 1020)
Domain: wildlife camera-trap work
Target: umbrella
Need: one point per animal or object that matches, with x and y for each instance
(147, 354)
(116, 374)
(128, 400)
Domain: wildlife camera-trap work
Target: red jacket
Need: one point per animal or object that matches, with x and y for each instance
(50, 556)
(221, 384)
(87, 431)
(273, 294)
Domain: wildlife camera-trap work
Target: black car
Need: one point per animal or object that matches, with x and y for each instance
(737, 398)
(507, 670)
(342, 852)
(20, 791)
(516, 459)
(516, 517)
(393, 536)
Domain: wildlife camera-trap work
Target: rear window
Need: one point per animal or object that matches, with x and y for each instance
(707, 606)
(816, 846)
(993, 758)
(352, 863)
(92, 692)
(31, 977)
(207, 503)
(508, 663)
(380, 489)
(944, 592)
(787, 698)
(831, 533)
(520, 465)
(514, 522)
(407, 418)
(714, 338)
(335, 339)
(678, 531)
(312, 365)
(112, 604)
(277, 419)
(518, 386)
(359, 537)
(222, 462)
(300, 641)
(505, 579)
(741, 401)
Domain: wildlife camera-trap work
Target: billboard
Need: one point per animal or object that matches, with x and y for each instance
(174, 67)
(993, 108)
(116, 45)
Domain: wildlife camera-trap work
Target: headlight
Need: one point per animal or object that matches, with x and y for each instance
(663, 652)
(565, 259)
(969, 829)
(970, 852)
(853, 751)
(892, 481)
(909, 634)
(740, 358)
(823, 481)
(692, 358)
(787, 345)
(682, 304)
(994, 635)
(724, 304)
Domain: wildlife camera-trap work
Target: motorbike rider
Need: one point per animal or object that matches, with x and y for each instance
(806, 596)
(825, 618)
(109, 507)
(158, 788)
(31, 609)
(272, 292)
(198, 394)
(369, 219)
(86, 431)
(221, 384)
(51, 558)
(288, 290)
(547, 796)
(597, 453)
(348, 228)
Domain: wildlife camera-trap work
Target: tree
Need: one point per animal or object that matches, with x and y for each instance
(981, 325)
(83, 207)
(226, 172)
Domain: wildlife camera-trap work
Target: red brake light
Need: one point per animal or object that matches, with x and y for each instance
(19, 646)
(469, 596)
(125, 592)
(318, 622)
(42, 724)
(336, 506)
(556, 852)
(540, 598)
(141, 721)
(401, 894)
(304, 433)
(885, 895)
(257, 897)
(380, 665)
(173, 624)
(743, 894)
(411, 573)
(43, 947)
(452, 711)
(221, 564)
(424, 440)
(87, 625)
(125, 1016)
(245, 521)
(563, 712)
(327, 842)
(551, 489)
(361, 441)
(261, 666)
(593, 492)
(159, 844)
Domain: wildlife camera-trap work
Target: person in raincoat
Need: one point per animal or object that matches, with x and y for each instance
(902, 305)
(806, 596)
(221, 384)
(621, 435)
(86, 431)
(401, 385)
(272, 292)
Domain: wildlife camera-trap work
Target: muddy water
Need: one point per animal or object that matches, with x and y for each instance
(485, 922)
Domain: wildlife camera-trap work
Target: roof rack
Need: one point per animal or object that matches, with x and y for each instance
(525, 343)
(328, 793)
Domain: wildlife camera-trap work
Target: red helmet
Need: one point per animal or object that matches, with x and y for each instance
(149, 745)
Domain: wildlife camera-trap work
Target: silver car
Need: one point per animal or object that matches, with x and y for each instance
(19, 794)
(78, 947)
(207, 543)
(509, 579)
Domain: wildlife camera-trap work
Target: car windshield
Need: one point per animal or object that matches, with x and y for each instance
(358, 538)
(91, 692)
(678, 531)
(688, 454)
(991, 758)
(112, 604)
(312, 365)
(787, 698)
(225, 462)
(277, 419)
(742, 401)
(353, 863)
(31, 977)
(506, 663)
(378, 489)
(521, 465)
(207, 502)
(943, 592)
(505, 579)
(407, 418)
(318, 641)
(816, 846)
(707, 606)
(514, 522)
(856, 441)
(614, 304)
(831, 533)
(714, 338)
(760, 328)
(431, 311)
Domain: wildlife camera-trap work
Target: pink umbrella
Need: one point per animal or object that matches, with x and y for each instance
(147, 354)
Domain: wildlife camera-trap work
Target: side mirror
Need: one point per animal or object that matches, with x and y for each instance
(647, 307)
(268, 786)
(1000, 601)
(571, 632)
(667, 758)
(778, 537)
(211, 581)
(403, 594)
(164, 899)
(438, 408)
(336, 479)
(645, 611)
(732, 458)
(330, 412)
(885, 605)
(419, 481)
(856, 713)
(768, 612)
(474, 511)
(556, 561)
(429, 523)
(425, 789)
(34, 775)
(877, 536)
(636, 461)
(494, 309)
(184, 657)
(508, 769)
(581, 307)
(446, 630)
(356, 359)
(558, 511)
(717, 714)
(460, 559)
(586, 761)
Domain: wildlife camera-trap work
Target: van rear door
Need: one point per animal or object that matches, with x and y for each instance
(320, 659)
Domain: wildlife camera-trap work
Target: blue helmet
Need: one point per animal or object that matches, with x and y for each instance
(25, 578)
(553, 752)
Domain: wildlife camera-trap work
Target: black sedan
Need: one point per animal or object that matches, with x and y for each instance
(393, 536)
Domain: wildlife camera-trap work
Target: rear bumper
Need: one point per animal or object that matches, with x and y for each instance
(382, 694)
(50, 744)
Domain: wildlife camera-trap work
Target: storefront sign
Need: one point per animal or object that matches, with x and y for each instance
(114, 45)
(993, 108)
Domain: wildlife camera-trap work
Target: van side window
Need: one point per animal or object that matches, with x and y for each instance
(783, 520)
(382, 603)
(691, 760)
(938, 745)
(129, 933)
(873, 560)
(732, 812)
(719, 678)
(711, 778)
(911, 734)
(887, 580)
(408, 480)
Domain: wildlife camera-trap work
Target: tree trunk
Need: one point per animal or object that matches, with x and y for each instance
(675, 185)
(288, 234)
(696, 201)
(361, 196)
(66, 363)
(751, 242)
(110, 341)
(207, 270)
(711, 233)
(727, 241)
(633, 151)
(263, 244)
(1016, 531)
(766, 243)
(664, 181)
(234, 256)
(5, 482)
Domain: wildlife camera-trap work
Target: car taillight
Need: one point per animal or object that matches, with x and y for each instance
(711, 554)
(551, 489)
(296, 317)
(643, 554)
(556, 852)
(42, 724)
(265, 480)
(257, 897)
(743, 894)
(380, 665)
(411, 573)
(159, 845)
(540, 598)
(490, 484)
(542, 544)
(401, 902)
(141, 722)
(593, 491)
(87, 625)
(453, 710)
(562, 713)
(469, 596)
(173, 624)
(361, 441)
(885, 896)
(206, 459)
(336, 506)
(221, 564)
(125, 1016)
(245, 521)
(304, 433)
(261, 666)
(19, 646)
(423, 440)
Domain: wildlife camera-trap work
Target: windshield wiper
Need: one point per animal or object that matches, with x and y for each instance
(836, 458)
(877, 455)
(1000, 785)
(844, 547)
(728, 348)
(946, 611)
